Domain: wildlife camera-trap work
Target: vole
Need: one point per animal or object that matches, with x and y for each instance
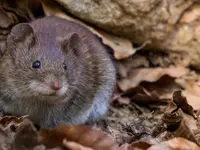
(57, 72)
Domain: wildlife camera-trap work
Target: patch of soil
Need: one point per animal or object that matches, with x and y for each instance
(131, 122)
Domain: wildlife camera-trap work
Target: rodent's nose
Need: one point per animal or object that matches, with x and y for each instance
(56, 85)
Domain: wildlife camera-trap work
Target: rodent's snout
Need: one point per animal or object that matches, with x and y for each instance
(55, 85)
(50, 85)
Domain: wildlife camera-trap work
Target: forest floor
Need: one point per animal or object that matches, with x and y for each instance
(156, 100)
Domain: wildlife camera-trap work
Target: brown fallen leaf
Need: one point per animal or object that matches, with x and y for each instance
(75, 146)
(80, 134)
(122, 100)
(4, 121)
(7, 20)
(175, 144)
(192, 99)
(5, 140)
(124, 66)
(124, 146)
(23, 9)
(159, 92)
(139, 145)
(13, 12)
(26, 136)
(182, 103)
(61, 138)
(191, 91)
(146, 98)
(136, 76)
(178, 123)
(17, 10)
(121, 47)
(191, 86)
(172, 119)
(11, 123)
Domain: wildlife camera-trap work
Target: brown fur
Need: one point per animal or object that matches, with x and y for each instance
(89, 78)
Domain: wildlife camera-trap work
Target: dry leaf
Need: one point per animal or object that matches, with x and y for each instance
(149, 75)
(159, 92)
(192, 92)
(190, 85)
(182, 103)
(79, 134)
(4, 121)
(126, 65)
(11, 13)
(175, 144)
(21, 8)
(140, 145)
(26, 136)
(11, 123)
(124, 146)
(121, 47)
(5, 140)
(192, 99)
(123, 100)
(147, 97)
(172, 118)
(75, 146)
(178, 123)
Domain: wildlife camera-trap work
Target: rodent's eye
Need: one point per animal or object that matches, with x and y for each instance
(36, 64)
(64, 66)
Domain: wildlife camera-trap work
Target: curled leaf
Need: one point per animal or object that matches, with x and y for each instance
(80, 134)
(140, 145)
(182, 103)
(175, 144)
(75, 146)
(136, 76)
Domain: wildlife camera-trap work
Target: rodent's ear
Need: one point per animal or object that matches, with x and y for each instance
(73, 44)
(21, 33)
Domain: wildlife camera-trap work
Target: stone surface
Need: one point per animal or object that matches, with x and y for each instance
(167, 25)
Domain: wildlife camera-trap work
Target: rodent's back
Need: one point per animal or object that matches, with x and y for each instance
(54, 27)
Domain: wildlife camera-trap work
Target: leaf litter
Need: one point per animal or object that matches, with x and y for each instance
(156, 104)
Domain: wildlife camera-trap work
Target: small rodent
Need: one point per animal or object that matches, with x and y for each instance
(57, 72)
